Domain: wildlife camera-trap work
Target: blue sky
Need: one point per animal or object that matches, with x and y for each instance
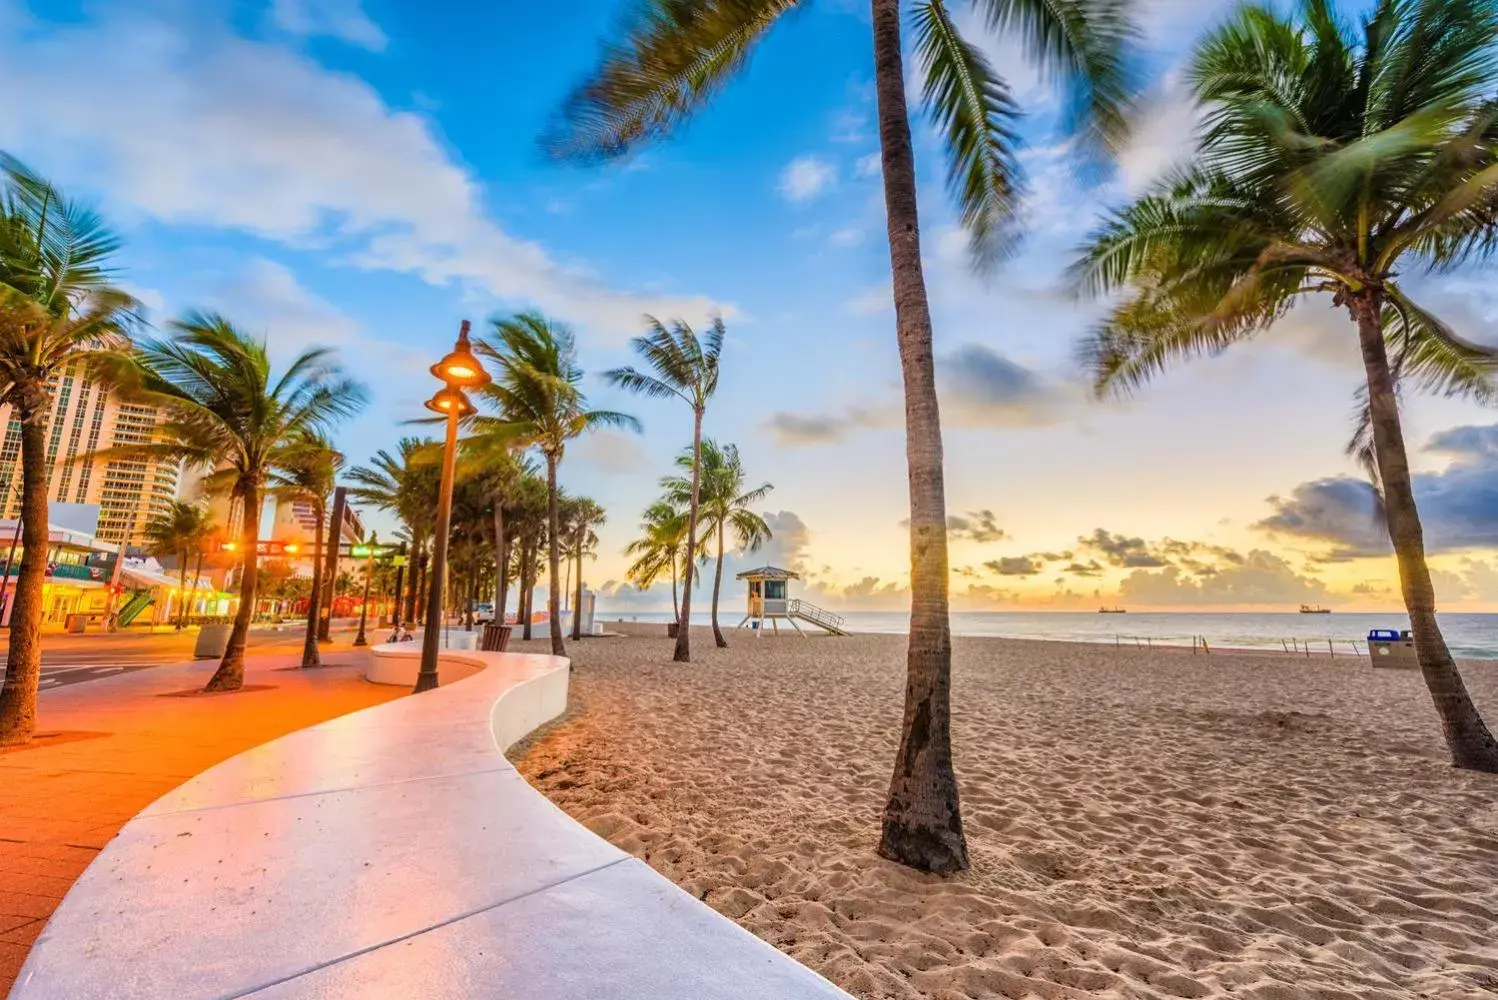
(366, 174)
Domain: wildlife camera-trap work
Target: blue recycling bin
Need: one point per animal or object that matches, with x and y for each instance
(1389, 647)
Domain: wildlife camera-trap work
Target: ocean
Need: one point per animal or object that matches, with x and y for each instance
(1470, 636)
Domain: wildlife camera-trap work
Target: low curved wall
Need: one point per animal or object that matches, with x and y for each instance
(393, 852)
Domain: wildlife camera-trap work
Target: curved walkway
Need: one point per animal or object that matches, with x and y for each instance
(393, 852)
(112, 746)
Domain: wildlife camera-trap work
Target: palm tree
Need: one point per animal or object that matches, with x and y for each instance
(583, 515)
(673, 57)
(178, 532)
(306, 471)
(1335, 158)
(225, 410)
(57, 308)
(536, 393)
(684, 368)
(725, 506)
(659, 549)
(405, 484)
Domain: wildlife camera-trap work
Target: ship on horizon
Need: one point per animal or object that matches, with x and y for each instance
(1112, 611)
(1314, 609)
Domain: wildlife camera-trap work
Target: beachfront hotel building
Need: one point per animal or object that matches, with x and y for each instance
(86, 417)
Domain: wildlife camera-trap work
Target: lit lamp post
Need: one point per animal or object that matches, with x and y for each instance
(458, 371)
(369, 551)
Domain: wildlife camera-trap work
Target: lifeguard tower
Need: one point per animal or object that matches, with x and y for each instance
(769, 601)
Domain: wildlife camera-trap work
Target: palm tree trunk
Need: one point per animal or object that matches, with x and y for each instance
(527, 586)
(683, 652)
(675, 599)
(1471, 744)
(182, 589)
(413, 583)
(499, 562)
(23, 667)
(554, 556)
(577, 598)
(197, 576)
(922, 819)
(310, 655)
(717, 588)
(230, 673)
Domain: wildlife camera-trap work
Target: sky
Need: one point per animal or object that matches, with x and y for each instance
(365, 174)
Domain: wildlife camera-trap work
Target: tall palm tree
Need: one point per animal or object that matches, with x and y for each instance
(178, 532)
(225, 410)
(57, 308)
(685, 368)
(726, 506)
(406, 484)
(1335, 159)
(584, 514)
(540, 404)
(659, 549)
(673, 57)
(306, 471)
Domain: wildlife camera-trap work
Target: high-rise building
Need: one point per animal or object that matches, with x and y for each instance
(86, 417)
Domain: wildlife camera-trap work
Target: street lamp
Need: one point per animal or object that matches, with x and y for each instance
(458, 371)
(370, 550)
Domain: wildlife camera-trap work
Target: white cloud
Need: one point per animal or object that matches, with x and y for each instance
(341, 19)
(848, 236)
(869, 166)
(807, 177)
(200, 127)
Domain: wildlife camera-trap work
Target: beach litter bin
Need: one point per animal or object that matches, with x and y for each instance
(1389, 647)
(76, 624)
(671, 629)
(213, 642)
(495, 638)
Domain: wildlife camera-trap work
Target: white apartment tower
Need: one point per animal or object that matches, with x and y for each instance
(86, 418)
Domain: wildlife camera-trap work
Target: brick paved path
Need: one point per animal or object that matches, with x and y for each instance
(119, 744)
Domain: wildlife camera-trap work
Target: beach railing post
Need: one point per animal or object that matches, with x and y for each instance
(1330, 649)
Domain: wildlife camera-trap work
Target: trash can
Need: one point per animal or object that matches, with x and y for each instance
(213, 642)
(77, 623)
(1389, 647)
(496, 638)
(671, 629)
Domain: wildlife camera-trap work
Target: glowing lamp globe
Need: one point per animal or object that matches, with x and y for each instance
(448, 400)
(461, 368)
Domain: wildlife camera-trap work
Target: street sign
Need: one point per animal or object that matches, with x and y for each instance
(377, 551)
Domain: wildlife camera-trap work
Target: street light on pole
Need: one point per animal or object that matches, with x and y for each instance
(373, 547)
(458, 371)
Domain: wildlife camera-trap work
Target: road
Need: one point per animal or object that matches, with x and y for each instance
(74, 659)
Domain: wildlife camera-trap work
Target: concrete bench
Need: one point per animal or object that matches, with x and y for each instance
(395, 853)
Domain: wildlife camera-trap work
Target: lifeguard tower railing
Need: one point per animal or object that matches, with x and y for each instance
(820, 617)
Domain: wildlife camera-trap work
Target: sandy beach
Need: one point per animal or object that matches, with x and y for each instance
(1141, 823)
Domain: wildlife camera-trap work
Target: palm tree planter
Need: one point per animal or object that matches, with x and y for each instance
(1334, 158)
(672, 57)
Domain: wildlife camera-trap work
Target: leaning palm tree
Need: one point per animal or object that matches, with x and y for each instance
(673, 57)
(685, 368)
(726, 506)
(1335, 159)
(177, 533)
(659, 549)
(57, 308)
(540, 404)
(306, 471)
(225, 410)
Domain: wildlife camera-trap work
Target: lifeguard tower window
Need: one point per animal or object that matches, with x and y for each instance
(774, 590)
